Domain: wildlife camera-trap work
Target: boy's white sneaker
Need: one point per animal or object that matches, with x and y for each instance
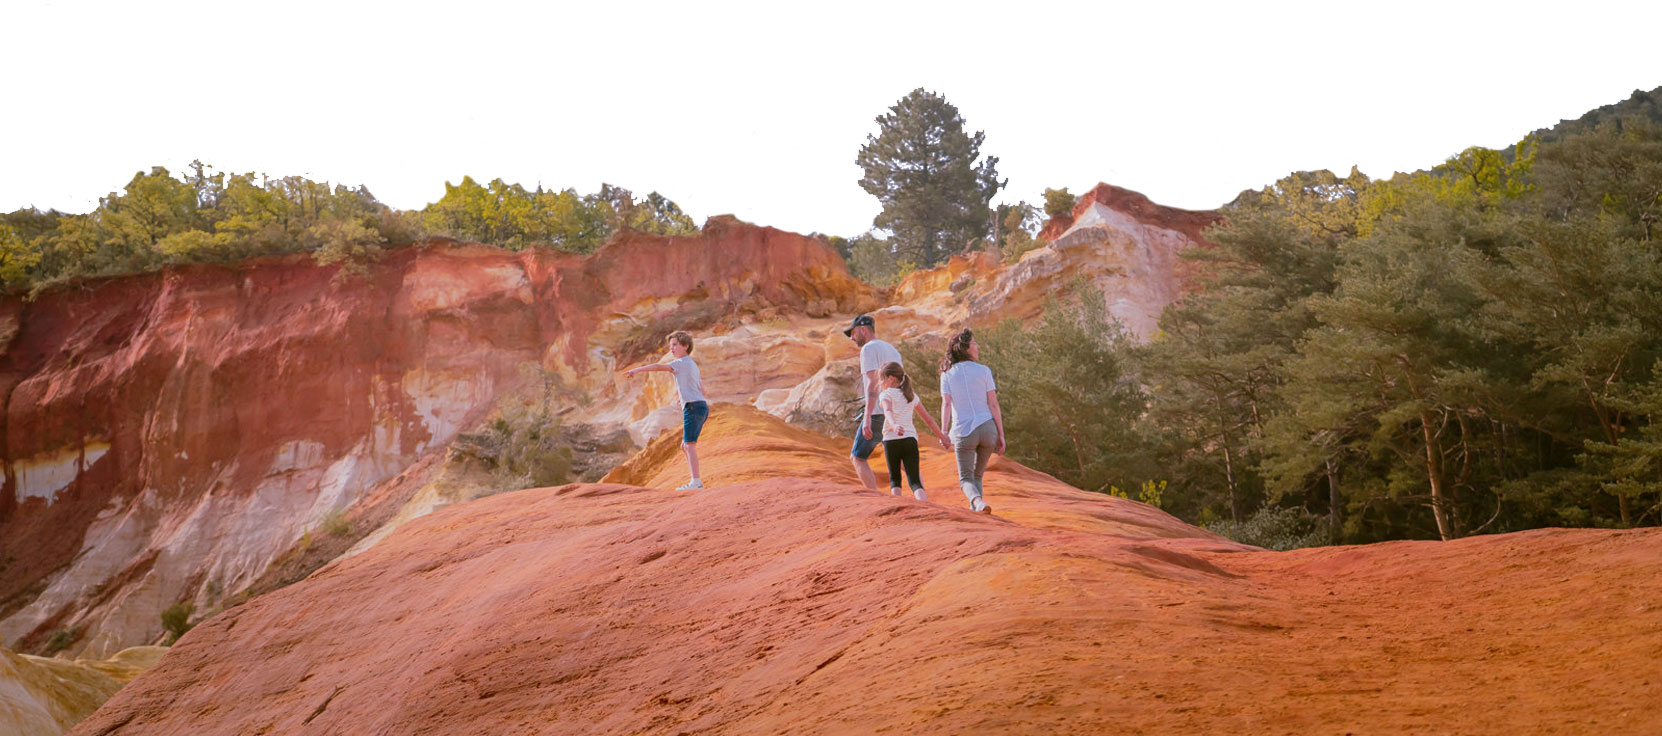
(691, 485)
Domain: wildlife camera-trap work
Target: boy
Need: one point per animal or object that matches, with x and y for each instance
(694, 409)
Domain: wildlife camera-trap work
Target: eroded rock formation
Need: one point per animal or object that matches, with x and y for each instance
(1115, 241)
(167, 436)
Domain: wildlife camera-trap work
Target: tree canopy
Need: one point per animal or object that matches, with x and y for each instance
(931, 178)
(204, 216)
(1465, 349)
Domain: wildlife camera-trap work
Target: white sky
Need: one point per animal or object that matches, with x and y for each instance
(759, 109)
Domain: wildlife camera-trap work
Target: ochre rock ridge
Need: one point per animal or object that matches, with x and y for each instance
(786, 599)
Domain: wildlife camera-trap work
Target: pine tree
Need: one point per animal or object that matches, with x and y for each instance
(923, 167)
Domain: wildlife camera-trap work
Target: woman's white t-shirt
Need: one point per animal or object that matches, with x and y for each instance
(968, 382)
(897, 411)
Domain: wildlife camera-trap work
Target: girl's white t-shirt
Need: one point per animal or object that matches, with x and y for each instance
(897, 414)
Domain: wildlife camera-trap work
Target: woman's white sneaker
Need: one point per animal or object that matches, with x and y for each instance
(691, 485)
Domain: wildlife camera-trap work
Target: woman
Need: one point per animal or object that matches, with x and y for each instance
(969, 406)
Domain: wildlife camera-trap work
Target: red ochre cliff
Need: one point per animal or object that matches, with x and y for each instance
(790, 600)
(167, 435)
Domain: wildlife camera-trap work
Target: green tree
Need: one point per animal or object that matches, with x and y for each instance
(18, 257)
(872, 259)
(1017, 225)
(929, 174)
(657, 214)
(1614, 169)
(1072, 401)
(1058, 202)
(1217, 366)
(1586, 303)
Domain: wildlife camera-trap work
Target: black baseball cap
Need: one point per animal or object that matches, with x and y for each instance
(864, 319)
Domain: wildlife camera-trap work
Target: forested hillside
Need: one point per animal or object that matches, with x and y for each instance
(1468, 349)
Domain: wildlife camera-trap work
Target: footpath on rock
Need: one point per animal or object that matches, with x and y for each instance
(786, 599)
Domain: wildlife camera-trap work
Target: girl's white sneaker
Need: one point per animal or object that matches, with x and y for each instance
(691, 485)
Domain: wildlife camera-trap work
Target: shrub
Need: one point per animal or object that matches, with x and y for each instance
(1151, 493)
(176, 619)
(335, 523)
(1278, 529)
(61, 639)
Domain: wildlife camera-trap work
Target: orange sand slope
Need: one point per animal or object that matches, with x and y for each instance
(784, 599)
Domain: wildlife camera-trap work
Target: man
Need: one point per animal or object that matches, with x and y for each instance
(868, 430)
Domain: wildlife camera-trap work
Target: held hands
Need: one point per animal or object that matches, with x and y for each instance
(945, 444)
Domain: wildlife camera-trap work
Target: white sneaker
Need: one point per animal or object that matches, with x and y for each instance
(979, 506)
(920, 495)
(894, 490)
(691, 485)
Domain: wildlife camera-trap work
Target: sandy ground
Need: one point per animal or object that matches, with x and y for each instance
(785, 599)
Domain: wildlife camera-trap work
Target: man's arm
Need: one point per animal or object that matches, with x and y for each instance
(871, 403)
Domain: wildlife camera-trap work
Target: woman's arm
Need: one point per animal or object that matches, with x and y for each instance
(998, 419)
(946, 412)
(933, 427)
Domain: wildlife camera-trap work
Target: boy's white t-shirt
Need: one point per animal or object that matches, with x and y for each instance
(686, 379)
(897, 421)
(873, 355)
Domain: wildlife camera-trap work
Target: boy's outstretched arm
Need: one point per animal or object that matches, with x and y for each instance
(654, 368)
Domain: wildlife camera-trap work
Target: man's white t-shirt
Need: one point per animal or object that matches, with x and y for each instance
(872, 357)
(897, 422)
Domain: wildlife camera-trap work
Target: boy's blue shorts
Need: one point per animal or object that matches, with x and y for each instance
(693, 416)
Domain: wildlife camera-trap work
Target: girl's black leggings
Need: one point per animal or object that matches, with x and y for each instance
(903, 451)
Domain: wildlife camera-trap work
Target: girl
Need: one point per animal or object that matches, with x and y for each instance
(900, 438)
(969, 405)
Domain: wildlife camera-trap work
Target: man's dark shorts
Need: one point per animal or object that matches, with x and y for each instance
(693, 416)
(862, 446)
